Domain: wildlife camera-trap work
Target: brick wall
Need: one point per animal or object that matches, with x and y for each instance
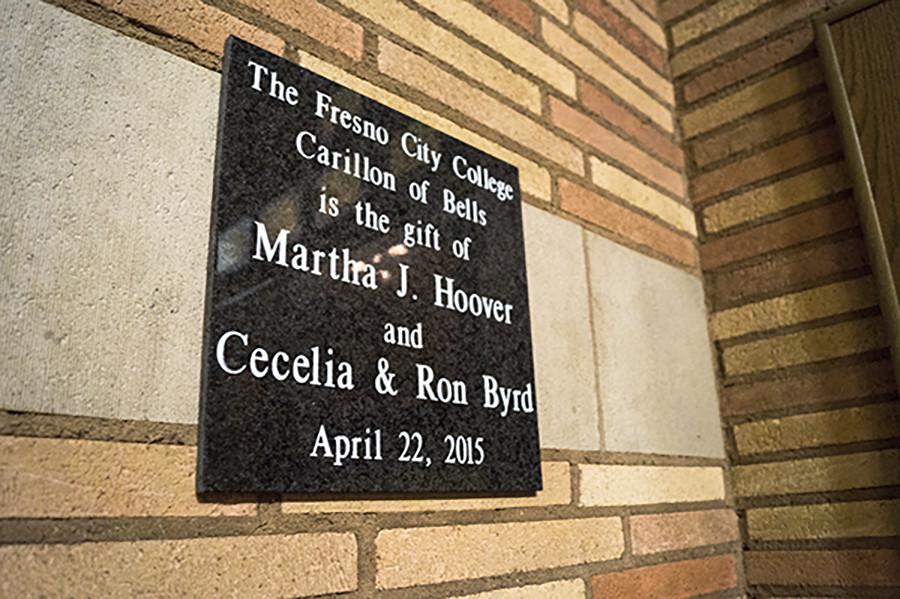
(809, 397)
(109, 118)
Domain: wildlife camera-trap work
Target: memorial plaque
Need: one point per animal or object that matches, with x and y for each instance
(367, 326)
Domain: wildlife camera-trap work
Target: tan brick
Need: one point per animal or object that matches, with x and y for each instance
(592, 132)
(204, 26)
(626, 223)
(749, 63)
(758, 129)
(794, 308)
(642, 196)
(534, 179)
(643, 485)
(675, 580)
(644, 22)
(754, 97)
(450, 48)
(622, 57)
(418, 73)
(501, 39)
(762, 165)
(593, 65)
(559, 589)
(428, 555)
(825, 521)
(776, 16)
(835, 427)
(813, 345)
(815, 475)
(651, 7)
(315, 20)
(840, 568)
(255, 566)
(776, 197)
(655, 533)
(556, 8)
(709, 19)
(557, 491)
(68, 478)
(783, 233)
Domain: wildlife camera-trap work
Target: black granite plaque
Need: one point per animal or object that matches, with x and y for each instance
(367, 325)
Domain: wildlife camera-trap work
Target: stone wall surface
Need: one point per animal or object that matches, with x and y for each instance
(691, 245)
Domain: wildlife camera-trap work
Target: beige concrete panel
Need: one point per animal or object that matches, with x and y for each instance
(609, 484)
(108, 159)
(654, 363)
(561, 332)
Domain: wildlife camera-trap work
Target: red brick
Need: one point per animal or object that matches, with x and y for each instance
(315, 20)
(669, 10)
(833, 385)
(779, 15)
(517, 11)
(676, 580)
(630, 225)
(590, 131)
(656, 533)
(650, 138)
(749, 63)
(789, 231)
(620, 27)
(762, 128)
(786, 271)
(841, 568)
(777, 159)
